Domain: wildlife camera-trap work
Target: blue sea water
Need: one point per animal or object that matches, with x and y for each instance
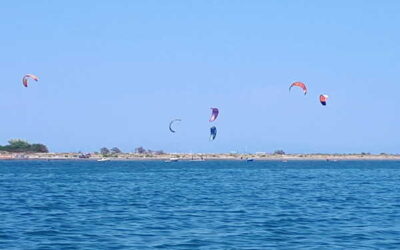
(199, 205)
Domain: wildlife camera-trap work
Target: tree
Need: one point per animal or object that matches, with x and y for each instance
(159, 152)
(140, 150)
(40, 148)
(279, 152)
(115, 150)
(18, 143)
(104, 151)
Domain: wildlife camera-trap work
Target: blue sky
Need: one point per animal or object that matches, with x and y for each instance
(114, 73)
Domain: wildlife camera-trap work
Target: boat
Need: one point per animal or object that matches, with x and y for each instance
(172, 159)
(103, 159)
(249, 159)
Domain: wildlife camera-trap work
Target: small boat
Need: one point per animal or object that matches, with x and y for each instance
(173, 159)
(103, 159)
(249, 159)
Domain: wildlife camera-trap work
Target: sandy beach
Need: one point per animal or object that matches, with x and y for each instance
(197, 157)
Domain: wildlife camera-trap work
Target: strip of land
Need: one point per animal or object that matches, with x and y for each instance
(194, 157)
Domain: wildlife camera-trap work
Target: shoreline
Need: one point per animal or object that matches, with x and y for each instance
(199, 157)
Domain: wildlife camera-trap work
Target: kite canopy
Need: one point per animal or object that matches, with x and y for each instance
(300, 85)
(26, 77)
(172, 122)
(214, 114)
(323, 99)
(213, 133)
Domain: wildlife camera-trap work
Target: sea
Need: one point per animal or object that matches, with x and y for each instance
(199, 205)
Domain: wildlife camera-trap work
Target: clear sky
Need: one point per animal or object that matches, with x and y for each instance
(114, 73)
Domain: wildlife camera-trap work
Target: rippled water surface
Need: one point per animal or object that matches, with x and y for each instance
(206, 205)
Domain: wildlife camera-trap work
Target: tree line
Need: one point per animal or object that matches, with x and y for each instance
(21, 146)
(139, 150)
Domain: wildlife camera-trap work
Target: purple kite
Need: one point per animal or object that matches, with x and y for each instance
(214, 114)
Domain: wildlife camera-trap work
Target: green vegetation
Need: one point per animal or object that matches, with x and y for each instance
(113, 152)
(279, 152)
(21, 146)
(104, 151)
(148, 152)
